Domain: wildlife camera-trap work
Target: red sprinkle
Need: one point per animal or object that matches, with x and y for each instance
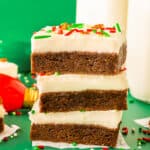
(41, 147)
(70, 32)
(33, 76)
(60, 31)
(42, 74)
(54, 28)
(105, 148)
(5, 139)
(124, 130)
(146, 139)
(89, 30)
(18, 113)
(146, 131)
(99, 33)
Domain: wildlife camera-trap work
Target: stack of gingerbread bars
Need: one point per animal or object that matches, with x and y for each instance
(82, 83)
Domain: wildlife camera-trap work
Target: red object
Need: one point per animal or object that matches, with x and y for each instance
(146, 139)
(89, 30)
(42, 74)
(60, 31)
(5, 139)
(70, 32)
(54, 28)
(124, 130)
(18, 113)
(41, 147)
(146, 131)
(99, 33)
(105, 148)
(12, 92)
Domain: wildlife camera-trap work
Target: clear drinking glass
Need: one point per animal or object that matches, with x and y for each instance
(138, 43)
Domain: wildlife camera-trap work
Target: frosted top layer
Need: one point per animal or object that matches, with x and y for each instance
(78, 37)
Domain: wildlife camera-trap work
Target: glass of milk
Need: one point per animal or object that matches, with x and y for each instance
(102, 11)
(138, 43)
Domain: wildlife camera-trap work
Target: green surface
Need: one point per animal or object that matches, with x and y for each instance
(20, 18)
(136, 110)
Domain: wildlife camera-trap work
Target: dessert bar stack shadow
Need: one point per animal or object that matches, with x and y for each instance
(82, 83)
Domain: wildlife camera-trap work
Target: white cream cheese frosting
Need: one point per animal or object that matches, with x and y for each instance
(9, 68)
(76, 42)
(79, 82)
(109, 119)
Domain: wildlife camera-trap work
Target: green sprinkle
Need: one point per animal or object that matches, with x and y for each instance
(41, 36)
(49, 31)
(36, 148)
(105, 33)
(143, 142)
(118, 27)
(94, 31)
(82, 110)
(57, 73)
(33, 111)
(11, 136)
(140, 130)
(74, 144)
(77, 25)
(131, 101)
(139, 143)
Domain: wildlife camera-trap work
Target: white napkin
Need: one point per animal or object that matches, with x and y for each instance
(120, 144)
(8, 131)
(143, 122)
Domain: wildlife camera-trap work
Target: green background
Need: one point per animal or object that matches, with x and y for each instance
(20, 18)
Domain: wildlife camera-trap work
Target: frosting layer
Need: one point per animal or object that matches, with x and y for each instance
(75, 82)
(91, 42)
(109, 119)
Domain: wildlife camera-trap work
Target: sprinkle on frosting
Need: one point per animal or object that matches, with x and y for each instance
(42, 36)
(118, 27)
(67, 29)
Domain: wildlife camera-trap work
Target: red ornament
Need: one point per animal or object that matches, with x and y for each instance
(12, 92)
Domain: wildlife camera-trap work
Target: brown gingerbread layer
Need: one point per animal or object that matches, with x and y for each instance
(81, 134)
(1, 125)
(83, 100)
(78, 62)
